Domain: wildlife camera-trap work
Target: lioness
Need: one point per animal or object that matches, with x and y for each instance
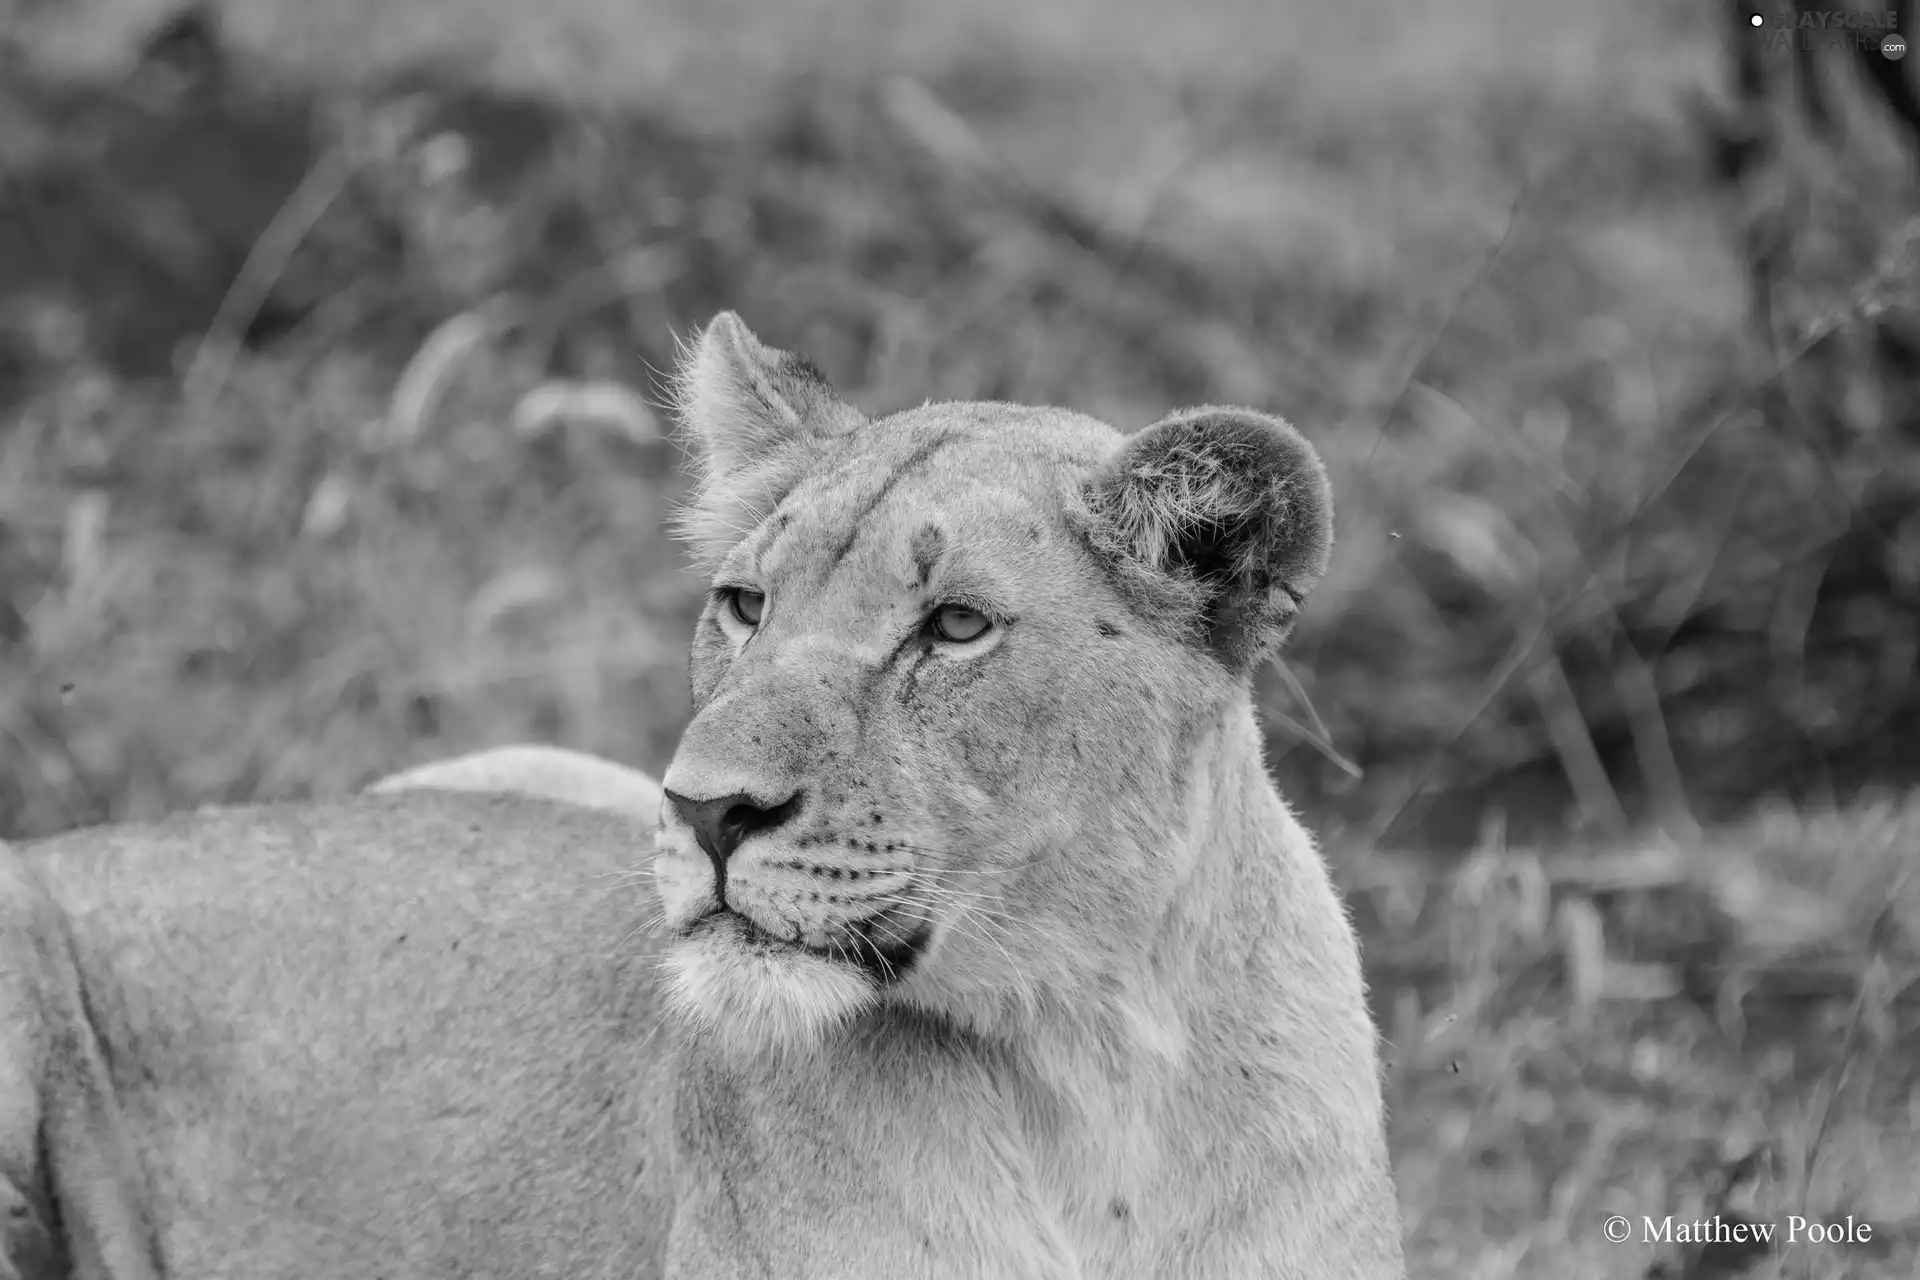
(978, 942)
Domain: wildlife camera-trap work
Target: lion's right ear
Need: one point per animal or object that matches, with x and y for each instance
(754, 416)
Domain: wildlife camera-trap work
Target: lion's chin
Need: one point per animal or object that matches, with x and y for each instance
(756, 1000)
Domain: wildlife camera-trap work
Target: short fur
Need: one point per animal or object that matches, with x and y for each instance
(1021, 968)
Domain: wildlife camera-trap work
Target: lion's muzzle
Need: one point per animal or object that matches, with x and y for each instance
(771, 893)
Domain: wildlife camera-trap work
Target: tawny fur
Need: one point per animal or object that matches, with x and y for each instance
(426, 1033)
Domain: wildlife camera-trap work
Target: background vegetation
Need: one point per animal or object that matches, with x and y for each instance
(329, 342)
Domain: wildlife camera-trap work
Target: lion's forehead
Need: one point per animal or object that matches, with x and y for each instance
(907, 492)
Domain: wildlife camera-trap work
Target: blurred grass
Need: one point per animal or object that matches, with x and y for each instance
(1753, 1003)
(285, 502)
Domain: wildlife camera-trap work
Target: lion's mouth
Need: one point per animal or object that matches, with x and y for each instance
(860, 944)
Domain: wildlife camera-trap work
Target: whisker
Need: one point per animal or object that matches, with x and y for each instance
(982, 931)
(948, 856)
(976, 907)
(971, 920)
(932, 888)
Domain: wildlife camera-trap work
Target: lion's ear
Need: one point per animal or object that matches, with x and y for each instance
(754, 415)
(1221, 517)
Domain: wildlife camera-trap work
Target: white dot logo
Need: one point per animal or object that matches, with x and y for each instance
(1756, 20)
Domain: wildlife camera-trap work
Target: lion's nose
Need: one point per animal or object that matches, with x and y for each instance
(720, 825)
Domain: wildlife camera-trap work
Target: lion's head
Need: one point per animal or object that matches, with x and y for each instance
(948, 688)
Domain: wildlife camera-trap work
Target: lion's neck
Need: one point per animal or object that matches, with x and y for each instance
(1253, 888)
(1231, 1052)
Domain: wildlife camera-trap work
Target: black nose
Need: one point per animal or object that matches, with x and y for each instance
(720, 825)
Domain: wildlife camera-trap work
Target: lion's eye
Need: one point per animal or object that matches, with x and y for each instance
(746, 605)
(958, 625)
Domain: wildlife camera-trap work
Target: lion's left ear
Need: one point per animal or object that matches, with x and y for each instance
(1222, 518)
(754, 415)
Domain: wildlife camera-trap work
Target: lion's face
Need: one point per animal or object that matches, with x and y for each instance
(941, 738)
(905, 684)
